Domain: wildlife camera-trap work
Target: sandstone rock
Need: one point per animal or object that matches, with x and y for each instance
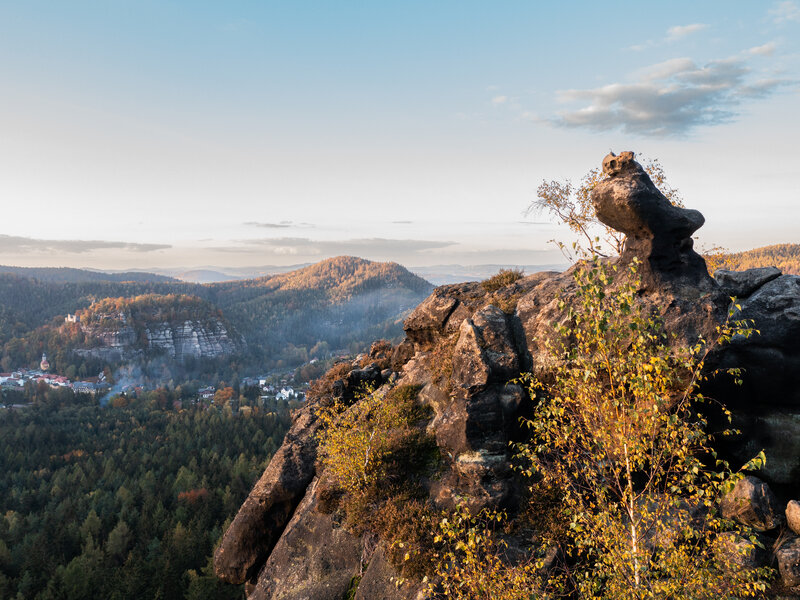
(474, 431)
(793, 515)
(382, 582)
(315, 558)
(771, 359)
(658, 233)
(743, 283)
(471, 370)
(463, 350)
(363, 379)
(260, 521)
(485, 351)
(442, 312)
(427, 322)
(497, 343)
(788, 557)
(207, 339)
(752, 503)
(402, 354)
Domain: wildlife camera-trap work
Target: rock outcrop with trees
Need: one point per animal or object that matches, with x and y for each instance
(452, 494)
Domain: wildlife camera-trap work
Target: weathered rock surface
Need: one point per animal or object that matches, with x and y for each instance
(441, 313)
(314, 559)
(793, 515)
(180, 340)
(788, 557)
(260, 521)
(190, 339)
(658, 233)
(752, 503)
(464, 347)
(382, 582)
(743, 283)
(767, 403)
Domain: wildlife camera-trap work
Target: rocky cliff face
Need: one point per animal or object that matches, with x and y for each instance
(178, 326)
(464, 346)
(190, 338)
(197, 339)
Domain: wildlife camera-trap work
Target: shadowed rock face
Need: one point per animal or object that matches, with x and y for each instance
(658, 233)
(464, 346)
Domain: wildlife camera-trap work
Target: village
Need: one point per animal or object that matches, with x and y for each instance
(254, 390)
(17, 380)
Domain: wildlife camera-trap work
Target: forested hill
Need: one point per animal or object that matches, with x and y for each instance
(68, 275)
(784, 256)
(343, 303)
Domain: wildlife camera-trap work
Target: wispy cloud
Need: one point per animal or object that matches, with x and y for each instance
(673, 34)
(767, 49)
(11, 244)
(784, 12)
(363, 246)
(670, 98)
(279, 225)
(681, 31)
(497, 100)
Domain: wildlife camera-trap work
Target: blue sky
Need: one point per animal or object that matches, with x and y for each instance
(154, 134)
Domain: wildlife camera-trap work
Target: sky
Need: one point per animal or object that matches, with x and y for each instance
(145, 134)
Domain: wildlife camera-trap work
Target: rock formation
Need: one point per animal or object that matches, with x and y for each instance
(657, 232)
(196, 338)
(464, 347)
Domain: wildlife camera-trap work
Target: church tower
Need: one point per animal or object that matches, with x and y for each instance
(44, 365)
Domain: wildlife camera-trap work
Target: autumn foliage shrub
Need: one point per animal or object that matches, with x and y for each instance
(375, 455)
(356, 441)
(501, 279)
(616, 431)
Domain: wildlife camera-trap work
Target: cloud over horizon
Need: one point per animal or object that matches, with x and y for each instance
(297, 246)
(12, 244)
(670, 98)
(279, 225)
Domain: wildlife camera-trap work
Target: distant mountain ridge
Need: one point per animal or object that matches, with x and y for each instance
(70, 275)
(784, 256)
(345, 302)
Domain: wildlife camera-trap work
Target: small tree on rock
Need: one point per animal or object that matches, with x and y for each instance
(617, 436)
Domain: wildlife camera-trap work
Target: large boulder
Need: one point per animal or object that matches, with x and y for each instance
(741, 284)
(486, 350)
(752, 503)
(793, 515)
(788, 557)
(441, 314)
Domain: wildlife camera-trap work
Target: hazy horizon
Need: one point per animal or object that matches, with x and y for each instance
(155, 135)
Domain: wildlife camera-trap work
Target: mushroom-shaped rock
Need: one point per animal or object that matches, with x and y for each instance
(658, 233)
(752, 503)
